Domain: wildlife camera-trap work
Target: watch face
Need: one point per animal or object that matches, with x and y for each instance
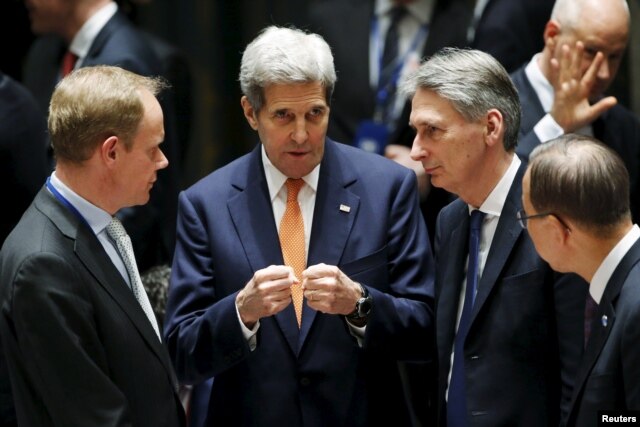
(364, 306)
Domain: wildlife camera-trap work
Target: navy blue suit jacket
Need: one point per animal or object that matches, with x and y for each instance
(525, 338)
(618, 128)
(609, 376)
(152, 226)
(316, 375)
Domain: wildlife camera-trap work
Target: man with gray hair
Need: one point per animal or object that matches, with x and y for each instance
(562, 88)
(507, 329)
(81, 342)
(575, 195)
(303, 271)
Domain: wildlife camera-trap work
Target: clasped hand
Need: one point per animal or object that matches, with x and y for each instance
(326, 289)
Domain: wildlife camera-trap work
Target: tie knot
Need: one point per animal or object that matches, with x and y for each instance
(293, 188)
(476, 219)
(115, 229)
(591, 307)
(397, 13)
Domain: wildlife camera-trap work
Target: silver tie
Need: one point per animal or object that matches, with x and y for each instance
(119, 235)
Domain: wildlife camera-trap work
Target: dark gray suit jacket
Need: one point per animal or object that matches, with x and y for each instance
(618, 128)
(609, 376)
(525, 338)
(79, 347)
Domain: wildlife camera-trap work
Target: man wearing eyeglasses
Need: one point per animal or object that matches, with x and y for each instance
(508, 328)
(576, 206)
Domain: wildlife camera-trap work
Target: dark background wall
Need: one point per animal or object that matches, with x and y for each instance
(212, 34)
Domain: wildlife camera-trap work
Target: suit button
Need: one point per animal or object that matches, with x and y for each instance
(305, 381)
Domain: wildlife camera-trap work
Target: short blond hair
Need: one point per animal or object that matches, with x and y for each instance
(93, 103)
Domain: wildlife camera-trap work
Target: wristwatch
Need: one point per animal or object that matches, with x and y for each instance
(363, 306)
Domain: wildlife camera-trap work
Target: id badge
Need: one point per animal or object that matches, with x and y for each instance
(372, 136)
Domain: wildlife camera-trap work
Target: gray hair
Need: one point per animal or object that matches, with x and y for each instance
(568, 12)
(285, 56)
(93, 103)
(580, 178)
(474, 82)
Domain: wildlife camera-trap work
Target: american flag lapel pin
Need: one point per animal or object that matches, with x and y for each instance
(345, 208)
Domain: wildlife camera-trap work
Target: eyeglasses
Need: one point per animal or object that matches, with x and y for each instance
(523, 218)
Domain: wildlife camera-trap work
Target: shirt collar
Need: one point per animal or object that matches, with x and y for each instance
(494, 203)
(421, 10)
(84, 38)
(96, 217)
(540, 84)
(276, 179)
(610, 263)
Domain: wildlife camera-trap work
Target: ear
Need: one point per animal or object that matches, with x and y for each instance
(494, 130)
(109, 150)
(249, 113)
(551, 33)
(561, 234)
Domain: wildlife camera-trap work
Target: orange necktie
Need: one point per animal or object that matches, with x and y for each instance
(292, 241)
(68, 62)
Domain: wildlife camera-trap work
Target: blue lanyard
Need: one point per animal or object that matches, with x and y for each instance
(383, 92)
(66, 203)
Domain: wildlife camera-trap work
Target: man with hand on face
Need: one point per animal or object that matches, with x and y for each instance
(508, 330)
(81, 342)
(562, 88)
(575, 195)
(303, 271)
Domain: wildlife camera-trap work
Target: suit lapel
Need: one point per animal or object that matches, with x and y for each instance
(504, 239)
(453, 260)
(331, 225)
(92, 255)
(602, 326)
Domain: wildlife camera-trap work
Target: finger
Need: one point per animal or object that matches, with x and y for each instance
(576, 60)
(590, 76)
(601, 106)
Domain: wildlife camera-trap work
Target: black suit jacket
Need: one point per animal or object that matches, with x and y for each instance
(152, 226)
(23, 139)
(511, 31)
(609, 376)
(79, 347)
(618, 128)
(525, 341)
(23, 169)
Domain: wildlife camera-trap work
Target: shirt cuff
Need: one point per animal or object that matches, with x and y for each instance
(249, 334)
(548, 129)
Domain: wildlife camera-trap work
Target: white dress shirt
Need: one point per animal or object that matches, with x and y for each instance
(610, 263)
(84, 38)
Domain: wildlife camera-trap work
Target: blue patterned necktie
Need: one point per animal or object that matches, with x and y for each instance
(457, 411)
(118, 234)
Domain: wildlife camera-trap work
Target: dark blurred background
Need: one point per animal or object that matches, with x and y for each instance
(212, 35)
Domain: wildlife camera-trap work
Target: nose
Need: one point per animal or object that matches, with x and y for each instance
(417, 151)
(300, 134)
(604, 72)
(162, 162)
